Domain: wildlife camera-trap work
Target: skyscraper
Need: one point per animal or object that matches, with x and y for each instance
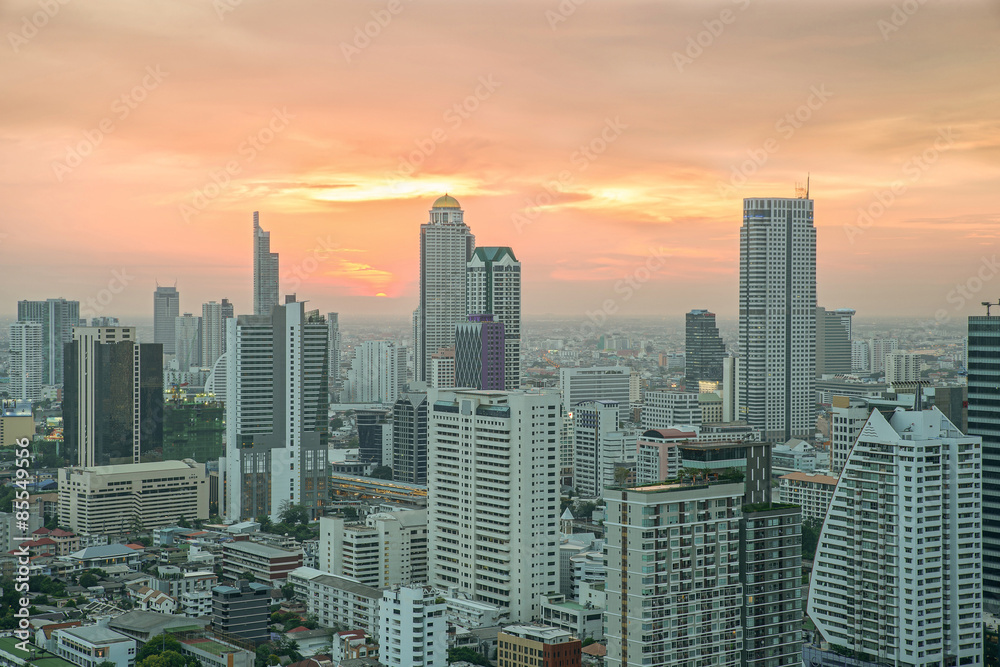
(265, 270)
(166, 308)
(592, 422)
(833, 343)
(211, 333)
(57, 317)
(378, 372)
(494, 286)
(479, 353)
(276, 412)
(897, 575)
(228, 312)
(409, 438)
(26, 361)
(846, 316)
(333, 321)
(778, 317)
(596, 383)
(880, 347)
(703, 349)
(984, 421)
(446, 245)
(113, 397)
(493, 497)
(187, 341)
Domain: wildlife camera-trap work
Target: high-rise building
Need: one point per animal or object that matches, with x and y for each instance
(901, 367)
(113, 397)
(242, 610)
(493, 497)
(276, 412)
(897, 576)
(479, 353)
(194, 430)
(880, 347)
(371, 425)
(187, 341)
(861, 356)
(412, 628)
(597, 383)
(409, 438)
(730, 389)
(227, 312)
(166, 308)
(333, 321)
(848, 415)
(833, 343)
(212, 333)
(494, 286)
(442, 369)
(446, 246)
(378, 373)
(778, 317)
(57, 317)
(387, 549)
(592, 422)
(265, 270)
(846, 316)
(27, 361)
(984, 421)
(703, 349)
(665, 409)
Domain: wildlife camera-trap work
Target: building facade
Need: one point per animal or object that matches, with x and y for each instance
(493, 285)
(57, 317)
(114, 498)
(388, 549)
(378, 373)
(666, 409)
(409, 438)
(166, 308)
(593, 421)
(537, 646)
(479, 353)
(242, 610)
(608, 383)
(187, 341)
(493, 496)
(898, 571)
(833, 342)
(412, 628)
(778, 317)
(901, 367)
(212, 333)
(267, 564)
(27, 361)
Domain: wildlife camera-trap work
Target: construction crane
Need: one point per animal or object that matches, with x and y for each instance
(545, 356)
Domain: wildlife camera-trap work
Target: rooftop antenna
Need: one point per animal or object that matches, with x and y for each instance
(802, 192)
(988, 304)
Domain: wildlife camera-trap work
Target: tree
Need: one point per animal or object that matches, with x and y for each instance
(466, 654)
(288, 590)
(810, 537)
(164, 659)
(382, 472)
(265, 523)
(87, 580)
(336, 424)
(350, 513)
(621, 475)
(294, 514)
(183, 523)
(585, 509)
(106, 663)
(156, 645)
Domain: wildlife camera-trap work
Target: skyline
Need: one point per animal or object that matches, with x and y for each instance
(327, 169)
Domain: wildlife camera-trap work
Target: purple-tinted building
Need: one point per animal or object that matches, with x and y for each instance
(479, 353)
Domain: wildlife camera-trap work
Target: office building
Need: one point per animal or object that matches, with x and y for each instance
(861, 356)
(265, 270)
(387, 549)
(269, 565)
(276, 412)
(113, 397)
(57, 317)
(242, 610)
(730, 389)
(412, 628)
(212, 333)
(166, 308)
(442, 369)
(598, 383)
(897, 577)
(703, 349)
(336, 384)
(778, 317)
(90, 645)
(901, 367)
(135, 496)
(833, 343)
(984, 421)
(194, 430)
(374, 426)
(409, 438)
(666, 409)
(227, 312)
(378, 373)
(479, 353)
(494, 286)
(537, 646)
(27, 361)
(446, 246)
(187, 341)
(593, 421)
(493, 497)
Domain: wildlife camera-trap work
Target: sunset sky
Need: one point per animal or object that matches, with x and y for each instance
(118, 118)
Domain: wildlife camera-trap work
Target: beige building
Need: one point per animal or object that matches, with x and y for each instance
(388, 549)
(16, 425)
(118, 497)
(812, 491)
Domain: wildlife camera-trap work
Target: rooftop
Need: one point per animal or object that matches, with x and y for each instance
(811, 477)
(258, 549)
(134, 468)
(95, 634)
